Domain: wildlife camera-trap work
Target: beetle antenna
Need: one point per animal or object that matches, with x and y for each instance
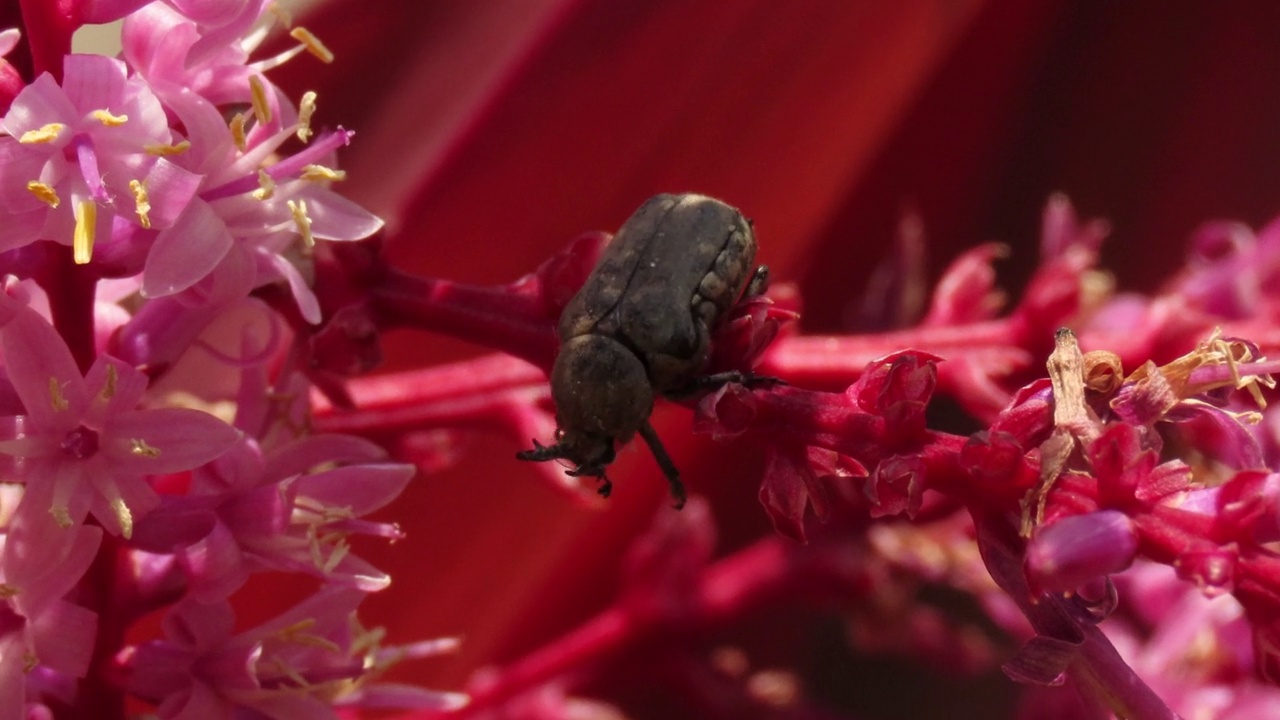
(664, 461)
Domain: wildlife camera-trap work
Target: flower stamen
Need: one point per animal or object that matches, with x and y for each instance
(258, 95)
(56, 399)
(105, 117)
(237, 131)
(161, 150)
(141, 203)
(61, 515)
(123, 516)
(315, 173)
(312, 44)
(109, 387)
(86, 227)
(298, 209)
(44, 192)
(266, 186)
(46, 134)
(306, 108)
(138, 446)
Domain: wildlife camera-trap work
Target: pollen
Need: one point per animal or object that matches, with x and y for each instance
(46, 134)
(109, 387)
(61, 516)
(266, 186)
(315, 173)
(306, 108)
(56, 399)
(105, 117)
(237, 131)
(7, 591)
(258, 93)
(312, 44)
(44, 192)
(123, 516)
(82, 237)
(161, 150)
(298, 209)
(141, 204)
(139, 447)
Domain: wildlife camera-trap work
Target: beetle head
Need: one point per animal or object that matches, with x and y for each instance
(601, 391)
(602, 394)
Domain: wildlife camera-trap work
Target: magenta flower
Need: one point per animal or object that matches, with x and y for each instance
(299, 664)
(37, 626)
(83, 159)
(249, 512)
(84, 444)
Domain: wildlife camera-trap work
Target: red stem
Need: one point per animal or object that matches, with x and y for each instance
(70, 288)
(48, 26)
(99, 696)
(499, 317)
(445, 395)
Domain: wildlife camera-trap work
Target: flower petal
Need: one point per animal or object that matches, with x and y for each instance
(185, 252)
(184, 438)
(38, 361)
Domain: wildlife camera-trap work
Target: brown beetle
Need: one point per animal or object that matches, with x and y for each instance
(641, 326)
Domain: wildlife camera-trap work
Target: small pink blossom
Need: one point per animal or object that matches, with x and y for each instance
(84, 444)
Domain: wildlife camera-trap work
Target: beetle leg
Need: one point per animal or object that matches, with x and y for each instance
(758, 283)
(714, 381)
(664, 461)
(541, 453)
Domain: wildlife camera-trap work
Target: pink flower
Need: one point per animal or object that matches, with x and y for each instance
(249, 511)
(84, 444)
(297, 665)
(38, 626)
(82, 159)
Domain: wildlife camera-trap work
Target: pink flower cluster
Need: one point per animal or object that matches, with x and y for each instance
(155, 446)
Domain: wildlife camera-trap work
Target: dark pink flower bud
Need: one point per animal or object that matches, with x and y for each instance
(1075, 550)
(896, 486)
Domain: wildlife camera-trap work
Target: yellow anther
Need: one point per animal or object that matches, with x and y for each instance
(109, 387)
(237, 130)
(141, 203)
(282, 14)
(86, 228)
(56, 399)
(266, 186)
(29, 661)
(139, 447)
(46, 134)
(7, 591)
(162, 150)
(105, 117)
(61, 516)
(306, 108)
(123, 516)
(44, 192)
(258, 97)
(316, 173)
(312, 44)
(298, 209)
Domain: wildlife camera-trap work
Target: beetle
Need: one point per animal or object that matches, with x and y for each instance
(640, 327)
